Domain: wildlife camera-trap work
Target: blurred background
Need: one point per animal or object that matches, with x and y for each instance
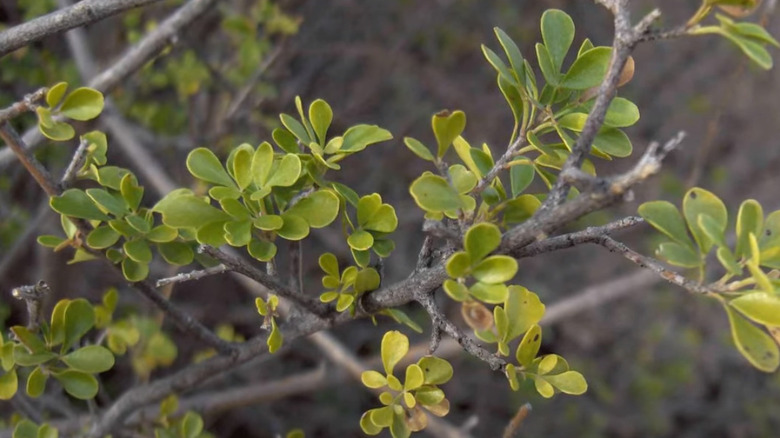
(659, 361)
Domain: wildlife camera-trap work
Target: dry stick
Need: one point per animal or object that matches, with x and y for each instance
(182, 319)
(83, 13)
(23, 106)
(33, 296)
(132, 60)
(517, 421)
(192, 275)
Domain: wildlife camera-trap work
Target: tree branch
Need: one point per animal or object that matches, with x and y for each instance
(33, 166)
(25, 105)
(626, 37)
(238, 265)
(80, 14)
(192, 275)
(132, 60)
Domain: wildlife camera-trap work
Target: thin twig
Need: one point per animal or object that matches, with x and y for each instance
(76, 162)
(27, 104)
(33, 166)
(80, 14)
(569, 240)
(192, 275)
(656, 266)
(517, 420)
(240, 266)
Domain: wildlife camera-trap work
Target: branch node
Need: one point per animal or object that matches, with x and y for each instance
(33, 296)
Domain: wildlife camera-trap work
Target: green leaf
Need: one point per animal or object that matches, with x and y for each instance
(543, 387)
(176, 253)
(285, 140)
(25, 429)
(82, 104)
(133, 270)
(90, 359)
(286, 173)
(558, 34)
(679, 255)
(457, 291)
(96, 149)
(329, 264)
(367, 280)
(520, 176)
(569, 382)
(699, 201)
(320, 116)
(761, 307)
(513, 54)
(612, 142)
(131, 192)
(294, 228)
(296, 128)
(262, 250)
(262, 162)
(458, 264)
(414, 377)
(520, 209)
(383, 247)
(529, 346)
(204, 165)
(55, 94)
(728, 261)
(750, 219)
(138, 250)
(481, 239)
(36, 382)
(238, 233)
(47, 431)
(588, 70)
(418, 148)
(524, 310)
(275, 339)
(495, 269)
(712, 229)
(24, 358)
(57, 131)
(367, 425)
(462, 179)
(188, 211)
(437, 371)
(76, 203)
(447, 127)
(344, 301)
(754, 344)
(546, 64)
(191, 425)
(373, 379)
(621, 113)
(242, 166)
(79, 318)
(489, 293)
(402, 318)
(50, 241)
(395, 345)
(348, 194)
(360, 240)
(463, 149)
(80, 385)
(381, 219)
(162, 234)
(358, 137)
(30, 340)
(319, 209)
(268, 222)
(9, 384)
(433, 193)
(666, 218)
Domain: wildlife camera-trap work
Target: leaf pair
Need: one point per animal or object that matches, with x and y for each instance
(80, 104)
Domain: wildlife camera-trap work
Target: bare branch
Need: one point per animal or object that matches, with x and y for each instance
(80, 14)
(564, 241)
(36, 169)
(236, 264)
(69, 177)
(192, 275)
(25, 105)
(655, 266)
(517, 420)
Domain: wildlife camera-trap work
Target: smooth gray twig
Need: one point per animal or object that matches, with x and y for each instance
(192, 275)
(80, 14)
